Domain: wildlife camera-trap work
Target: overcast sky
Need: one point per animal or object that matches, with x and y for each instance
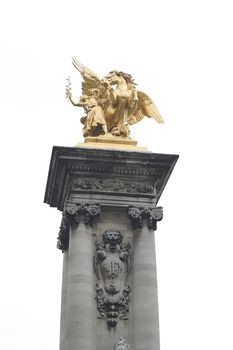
(180, 54)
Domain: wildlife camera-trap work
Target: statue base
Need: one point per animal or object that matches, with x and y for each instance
(110, 141)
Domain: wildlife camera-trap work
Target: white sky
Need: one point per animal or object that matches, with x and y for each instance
(180, 53)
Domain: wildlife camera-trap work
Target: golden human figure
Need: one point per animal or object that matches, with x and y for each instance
(94, 122)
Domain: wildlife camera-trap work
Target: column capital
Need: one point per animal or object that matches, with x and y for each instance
(74, 210)
(71, 216)
(152, 215)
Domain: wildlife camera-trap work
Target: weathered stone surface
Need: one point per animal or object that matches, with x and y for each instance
(153, 215)
(102, 190)
(112, 261)
(145, 299)
(79, 317)
(114, 218)
(71, 216)
(114, 176)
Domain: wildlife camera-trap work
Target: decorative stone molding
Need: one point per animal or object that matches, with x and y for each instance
(71, 165)
(63, 235)
(90, 211)
(152, 215)
(112, 267)
(114, 170)
(113, 185)
(71, 216)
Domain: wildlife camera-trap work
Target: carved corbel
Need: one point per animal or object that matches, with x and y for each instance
(71, 216)
(152, 215)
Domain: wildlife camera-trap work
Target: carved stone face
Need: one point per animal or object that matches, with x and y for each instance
(112, 237)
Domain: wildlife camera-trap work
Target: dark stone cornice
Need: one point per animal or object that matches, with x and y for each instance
(110, 172)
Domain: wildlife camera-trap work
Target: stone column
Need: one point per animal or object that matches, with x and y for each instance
(144, 288)
(77, 296)
(79, 319)
(63, 301)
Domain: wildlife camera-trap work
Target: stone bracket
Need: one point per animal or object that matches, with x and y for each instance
(152, 215)
(71, 216)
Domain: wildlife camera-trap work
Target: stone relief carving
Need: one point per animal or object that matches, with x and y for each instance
(152, 215)
(90, 211)
(63, 235)
(112, 267)
(71, 216)
(113, 185)
(121, 344)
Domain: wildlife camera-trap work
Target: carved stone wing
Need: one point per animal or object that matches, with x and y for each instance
(91, 80)
(146, 107)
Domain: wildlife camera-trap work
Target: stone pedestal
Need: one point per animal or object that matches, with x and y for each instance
(108, 199)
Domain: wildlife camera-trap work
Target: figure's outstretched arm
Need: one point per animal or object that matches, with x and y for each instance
(74, 102)
(69, 95)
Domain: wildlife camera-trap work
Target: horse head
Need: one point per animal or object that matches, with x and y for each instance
(114, 78)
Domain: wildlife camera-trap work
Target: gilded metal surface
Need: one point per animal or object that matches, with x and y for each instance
(111, 104)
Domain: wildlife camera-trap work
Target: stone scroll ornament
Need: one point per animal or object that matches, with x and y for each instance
(71, 216)
(152, 215)
(112, 267)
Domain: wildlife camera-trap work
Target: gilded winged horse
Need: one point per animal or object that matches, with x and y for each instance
(114, 100)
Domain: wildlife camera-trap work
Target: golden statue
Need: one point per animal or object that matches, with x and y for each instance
(111, 104)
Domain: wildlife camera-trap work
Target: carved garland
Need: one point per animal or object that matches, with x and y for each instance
(71, 216)
(112, 267)
(137, 215)
(113, 185)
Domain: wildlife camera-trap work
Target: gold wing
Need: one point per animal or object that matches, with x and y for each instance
(146, 107)
(91, 80)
